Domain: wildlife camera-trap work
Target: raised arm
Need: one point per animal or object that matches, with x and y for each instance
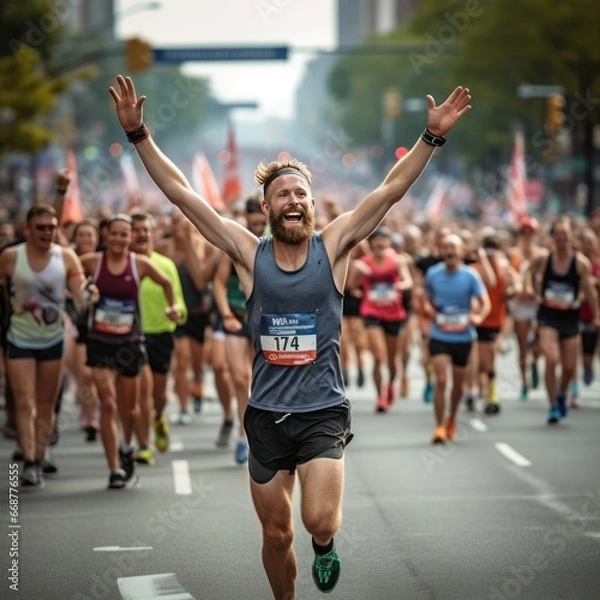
(351, 227)
(62, 180)
(234, 239)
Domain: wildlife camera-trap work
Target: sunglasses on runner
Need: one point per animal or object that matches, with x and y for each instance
(42, 227)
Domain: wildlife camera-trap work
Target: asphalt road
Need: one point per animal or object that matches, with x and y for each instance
(511, 509)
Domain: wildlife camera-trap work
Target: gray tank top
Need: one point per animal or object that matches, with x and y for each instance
(295, 323)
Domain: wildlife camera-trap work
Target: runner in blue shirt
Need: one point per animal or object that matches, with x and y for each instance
(457, 301)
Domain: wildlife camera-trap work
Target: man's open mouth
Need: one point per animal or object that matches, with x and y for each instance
(293, 217)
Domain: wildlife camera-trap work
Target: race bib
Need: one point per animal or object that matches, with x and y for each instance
(452, 322)
(560, 297)
(289, 339)
(114, 317)
(382, 293)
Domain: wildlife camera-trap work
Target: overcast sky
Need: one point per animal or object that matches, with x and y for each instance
(200, 23)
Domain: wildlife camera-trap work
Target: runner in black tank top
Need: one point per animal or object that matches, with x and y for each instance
(561, 274)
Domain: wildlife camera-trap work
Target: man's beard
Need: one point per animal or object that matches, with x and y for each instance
(293, 235)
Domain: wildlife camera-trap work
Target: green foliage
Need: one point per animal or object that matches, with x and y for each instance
(490, 46)
(34, 23)
(25, 94)
(176, 105)
(28, 90)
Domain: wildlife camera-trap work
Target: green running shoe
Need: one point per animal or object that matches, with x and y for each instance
(326, 570)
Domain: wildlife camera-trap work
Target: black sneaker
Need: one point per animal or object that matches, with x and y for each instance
(197, 404)
(29, 475)
(491, 409)
(326, 570)
(116, 480)
(48, 468)
(90, 433)
(127, 465)
(224, 434)
(470, 403)
(360, 381)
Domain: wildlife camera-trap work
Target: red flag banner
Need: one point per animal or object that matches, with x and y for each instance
(72, 209)
(204, 182)
(517, 178)
(232, 180)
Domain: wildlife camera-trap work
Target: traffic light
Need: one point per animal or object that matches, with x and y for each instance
(392, 101)
(554, 112)
(138, 54)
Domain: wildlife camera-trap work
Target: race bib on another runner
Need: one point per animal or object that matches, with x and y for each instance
(453, 322)
(382, 293)
(114, 317)
(559, 296)
(289, 339)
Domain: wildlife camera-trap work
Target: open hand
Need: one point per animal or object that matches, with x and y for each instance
(441, 119)
(129, 106)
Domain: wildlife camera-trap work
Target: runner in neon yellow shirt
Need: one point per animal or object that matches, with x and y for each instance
(158, 331)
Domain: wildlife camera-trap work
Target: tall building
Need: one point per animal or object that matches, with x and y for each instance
(359, 19)
(91, 15)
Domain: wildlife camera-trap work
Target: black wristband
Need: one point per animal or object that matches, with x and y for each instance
(431, 139)
(61, 191)
(137, 135)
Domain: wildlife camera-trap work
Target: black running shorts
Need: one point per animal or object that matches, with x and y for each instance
(194, 327)
(126, 359)
(566, 328)
(459, 353)
(284, 440)
(487, 334)
(55, 352)
(159, 347)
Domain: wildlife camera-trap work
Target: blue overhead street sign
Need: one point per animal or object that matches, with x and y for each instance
(179, 55)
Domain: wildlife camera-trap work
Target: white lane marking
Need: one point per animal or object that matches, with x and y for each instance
(181, 477)
(121, 548)
(160, 586)
(577, 519)
(176, 446)
(478, 425)
(512, 454)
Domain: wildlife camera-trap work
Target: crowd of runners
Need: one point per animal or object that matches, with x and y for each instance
(166, 307)
(289, 311)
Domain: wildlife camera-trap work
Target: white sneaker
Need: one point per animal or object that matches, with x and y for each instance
(184, 418)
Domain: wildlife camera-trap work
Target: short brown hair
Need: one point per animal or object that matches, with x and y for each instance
(263, 172)
(40, 209)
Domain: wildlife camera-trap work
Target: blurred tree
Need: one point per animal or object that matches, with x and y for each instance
(491, 46)
(358, 84)
(29, 89)
(176, 107)
(502, 44)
